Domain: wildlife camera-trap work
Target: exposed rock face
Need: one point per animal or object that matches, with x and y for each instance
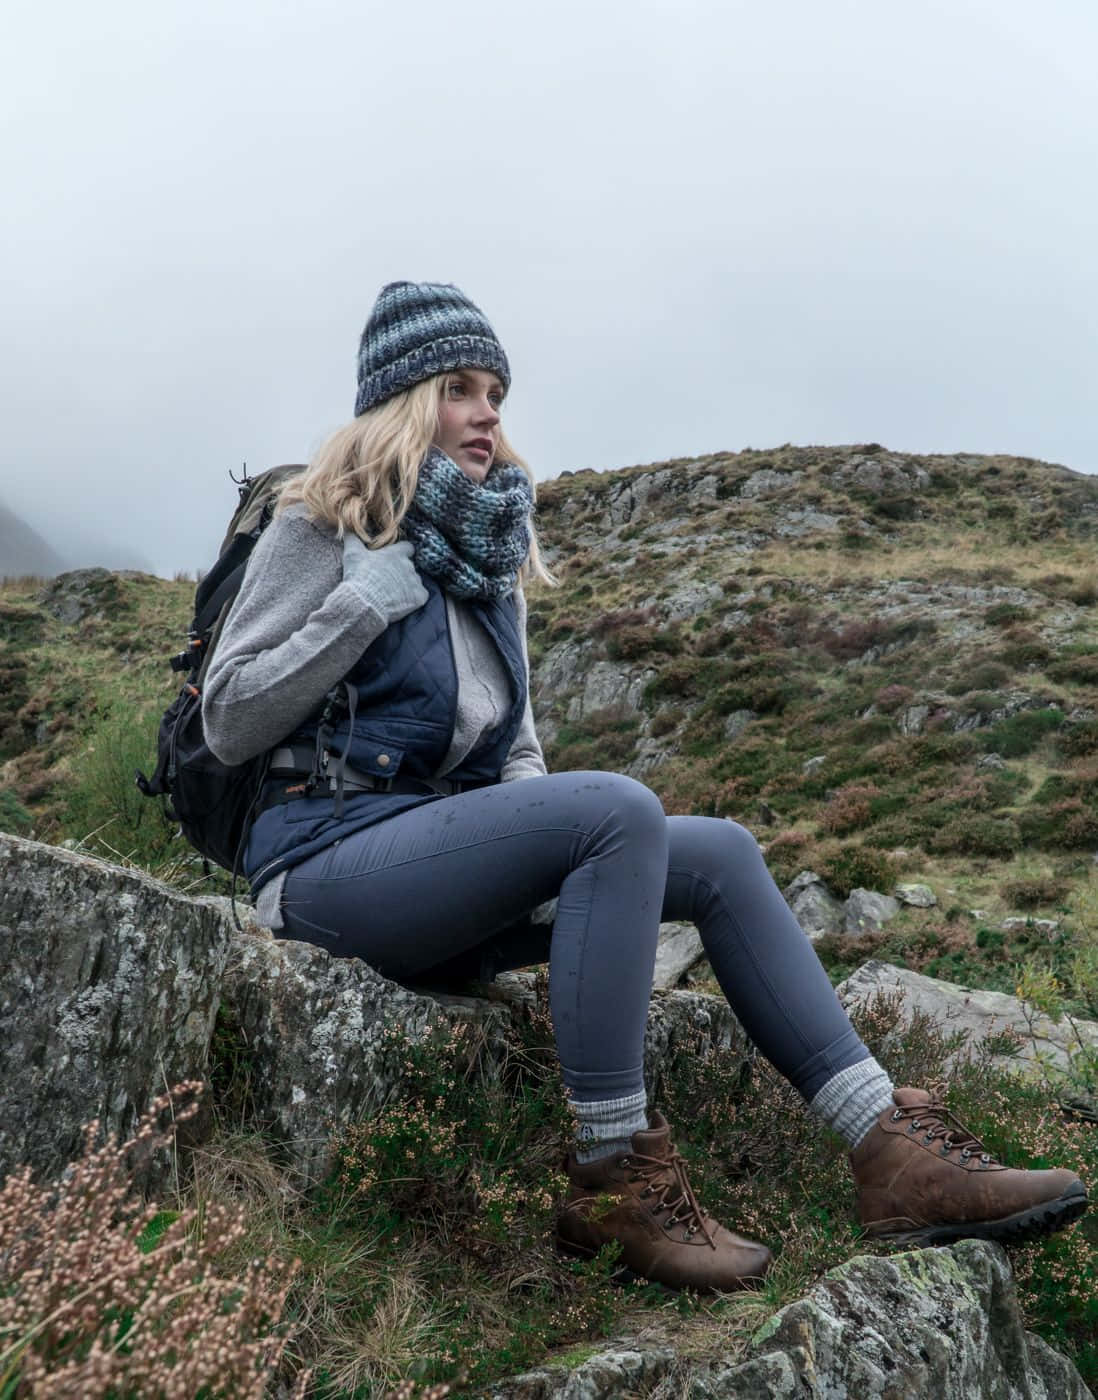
(980, 1013)
(866, 910)
(109, 985)
(814, 906)
(943, 1324)
(679, 948)
(918, 896)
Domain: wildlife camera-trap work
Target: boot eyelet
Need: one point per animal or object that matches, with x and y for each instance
(916, 1124)
(965, 1154)
(985, 1159)
(928, 1138)
(946, 1149)
(896, 1117)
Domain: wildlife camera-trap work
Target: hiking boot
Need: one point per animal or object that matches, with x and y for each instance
(923, 1178)
(642, 1200)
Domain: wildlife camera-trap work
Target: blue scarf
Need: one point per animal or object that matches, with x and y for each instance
(471, 536)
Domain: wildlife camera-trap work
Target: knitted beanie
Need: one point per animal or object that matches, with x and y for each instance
(417, 330)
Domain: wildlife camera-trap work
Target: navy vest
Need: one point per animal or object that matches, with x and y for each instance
(406, 683)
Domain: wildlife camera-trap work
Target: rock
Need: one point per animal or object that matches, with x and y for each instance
(737, 722)
(794, 521)
(1045, 926)
(679, 948)
(992, 760)
(866, 910)
(70, 597)
(816, 909)
(918, 896)
(318, 1036)
(109, 987)
(931, 1324)
(911, 719)
(813, 765)
(980, 1014)
(608, 686)
(765, 482)
(691, 600)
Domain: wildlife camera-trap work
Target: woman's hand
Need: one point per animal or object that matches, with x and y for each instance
(386, 577)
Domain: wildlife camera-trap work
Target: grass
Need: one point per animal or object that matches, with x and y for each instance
(896, 647)
(427, 1256)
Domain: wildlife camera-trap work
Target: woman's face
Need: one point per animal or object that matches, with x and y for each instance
(468, 420)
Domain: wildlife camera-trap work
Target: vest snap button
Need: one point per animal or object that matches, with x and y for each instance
(383, 760)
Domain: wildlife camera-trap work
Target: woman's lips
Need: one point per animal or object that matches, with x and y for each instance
(479, 450)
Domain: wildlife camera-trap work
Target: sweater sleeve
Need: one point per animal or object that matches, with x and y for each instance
(295, 629)
(525, 758)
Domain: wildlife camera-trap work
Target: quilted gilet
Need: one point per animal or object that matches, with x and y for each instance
(406, 684)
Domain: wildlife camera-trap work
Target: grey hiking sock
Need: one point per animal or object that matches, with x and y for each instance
(852, 1100)
(607, 1126)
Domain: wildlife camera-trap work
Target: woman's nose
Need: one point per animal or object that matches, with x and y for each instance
(487, 412)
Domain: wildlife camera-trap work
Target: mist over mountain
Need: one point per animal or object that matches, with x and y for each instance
(48, 549)
(23, 550)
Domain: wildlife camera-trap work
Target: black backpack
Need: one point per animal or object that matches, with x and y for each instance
(213, 802)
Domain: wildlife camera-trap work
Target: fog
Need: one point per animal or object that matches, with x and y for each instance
(695, 226)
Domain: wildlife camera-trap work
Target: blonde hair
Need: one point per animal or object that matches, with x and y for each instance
(364, 476)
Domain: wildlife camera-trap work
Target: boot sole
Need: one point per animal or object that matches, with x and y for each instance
(1031, 1224)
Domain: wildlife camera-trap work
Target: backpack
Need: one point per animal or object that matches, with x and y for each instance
(213, 802)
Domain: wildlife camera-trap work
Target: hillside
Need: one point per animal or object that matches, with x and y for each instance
(887, 667)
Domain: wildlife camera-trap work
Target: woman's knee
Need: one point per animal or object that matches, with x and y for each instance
(712, 845)
(622, 803)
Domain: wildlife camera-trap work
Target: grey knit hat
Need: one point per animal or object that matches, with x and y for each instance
(417, 330)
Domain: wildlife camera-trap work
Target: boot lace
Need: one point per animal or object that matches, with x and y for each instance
(935, 1121)
(666, 1179)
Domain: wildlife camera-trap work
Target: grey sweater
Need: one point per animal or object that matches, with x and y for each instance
(298, 626)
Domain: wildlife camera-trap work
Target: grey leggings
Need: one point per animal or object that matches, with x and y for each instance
(448, 888)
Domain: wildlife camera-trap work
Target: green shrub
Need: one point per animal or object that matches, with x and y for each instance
(1070, 825)
(1021, 733)
(14, 817)
(1002, 614)
(858, 867)
(976, 835)
(1081, 669)
(603, 739)
(1078, 739)
(1037, 892)
(103, 808)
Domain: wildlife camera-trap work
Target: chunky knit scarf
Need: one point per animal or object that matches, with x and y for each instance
(472, 536)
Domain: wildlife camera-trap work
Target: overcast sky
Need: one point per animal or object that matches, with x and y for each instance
(696, 226)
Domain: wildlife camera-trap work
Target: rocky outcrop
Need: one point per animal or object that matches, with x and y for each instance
(111, 986)
(680, 948)
(980, 1014)
(943, 1324)
(820, 913)
(816, 909)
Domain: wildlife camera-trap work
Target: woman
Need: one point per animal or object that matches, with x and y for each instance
(377, 648)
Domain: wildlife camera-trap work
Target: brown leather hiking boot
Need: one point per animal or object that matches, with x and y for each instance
(643, 1200)
(923, 1178)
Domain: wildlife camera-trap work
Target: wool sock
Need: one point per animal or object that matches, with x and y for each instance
(852, 1100)
(606, 1127)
